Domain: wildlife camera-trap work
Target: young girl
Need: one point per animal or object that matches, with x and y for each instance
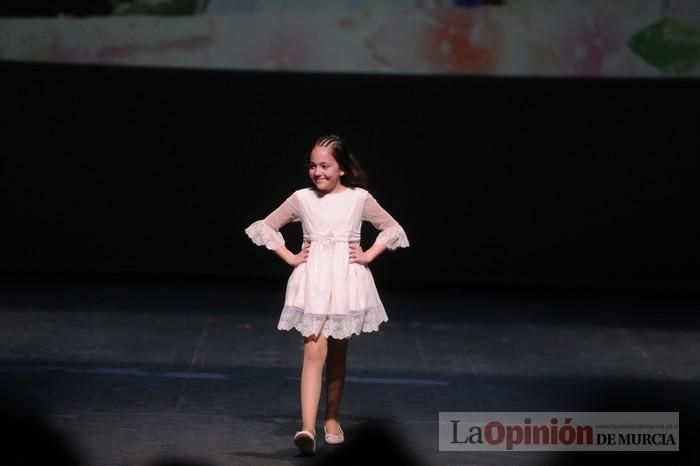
(330, 294)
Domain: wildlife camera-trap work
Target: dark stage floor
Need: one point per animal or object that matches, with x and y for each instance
(146, 373)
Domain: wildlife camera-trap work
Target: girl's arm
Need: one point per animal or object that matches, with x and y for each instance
(266, 232)
(293, 259)
(365, 257)
(391, 235)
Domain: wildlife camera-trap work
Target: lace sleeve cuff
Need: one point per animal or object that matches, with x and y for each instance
(264, 235)
(393, 237)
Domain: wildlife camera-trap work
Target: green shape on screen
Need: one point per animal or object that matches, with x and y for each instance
(669, 45)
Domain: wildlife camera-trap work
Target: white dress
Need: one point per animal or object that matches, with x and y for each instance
(327, 295)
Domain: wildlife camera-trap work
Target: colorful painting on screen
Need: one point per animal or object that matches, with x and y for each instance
(595, 38)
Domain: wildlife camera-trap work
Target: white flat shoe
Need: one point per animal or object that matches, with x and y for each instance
(305, 442)
(333, 439)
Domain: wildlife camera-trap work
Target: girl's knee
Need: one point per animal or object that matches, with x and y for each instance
(315, 350)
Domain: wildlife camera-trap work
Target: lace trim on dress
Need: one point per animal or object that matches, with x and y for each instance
(336, 326)
(263, 234)
(393, 237)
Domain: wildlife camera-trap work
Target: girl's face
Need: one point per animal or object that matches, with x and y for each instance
(324, 171)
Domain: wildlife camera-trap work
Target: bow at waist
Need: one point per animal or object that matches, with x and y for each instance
(330, 239)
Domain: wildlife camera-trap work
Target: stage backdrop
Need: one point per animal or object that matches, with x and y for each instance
(620, 38)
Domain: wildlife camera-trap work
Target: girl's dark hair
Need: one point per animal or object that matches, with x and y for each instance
(355, 175)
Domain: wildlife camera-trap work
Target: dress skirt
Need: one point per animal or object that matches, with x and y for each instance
(327, 295)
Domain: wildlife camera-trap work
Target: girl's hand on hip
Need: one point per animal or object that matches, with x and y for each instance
(301, 257)
(357, 256)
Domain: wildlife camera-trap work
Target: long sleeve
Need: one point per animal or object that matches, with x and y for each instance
(391, 233)
(266, 232)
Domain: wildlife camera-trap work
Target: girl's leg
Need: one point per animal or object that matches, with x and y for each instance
(315, 351)
(335, 380)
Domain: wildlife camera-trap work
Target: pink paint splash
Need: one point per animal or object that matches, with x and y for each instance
(592, 35)
(443, 40)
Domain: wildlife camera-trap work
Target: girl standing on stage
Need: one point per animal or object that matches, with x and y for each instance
(330, 294)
